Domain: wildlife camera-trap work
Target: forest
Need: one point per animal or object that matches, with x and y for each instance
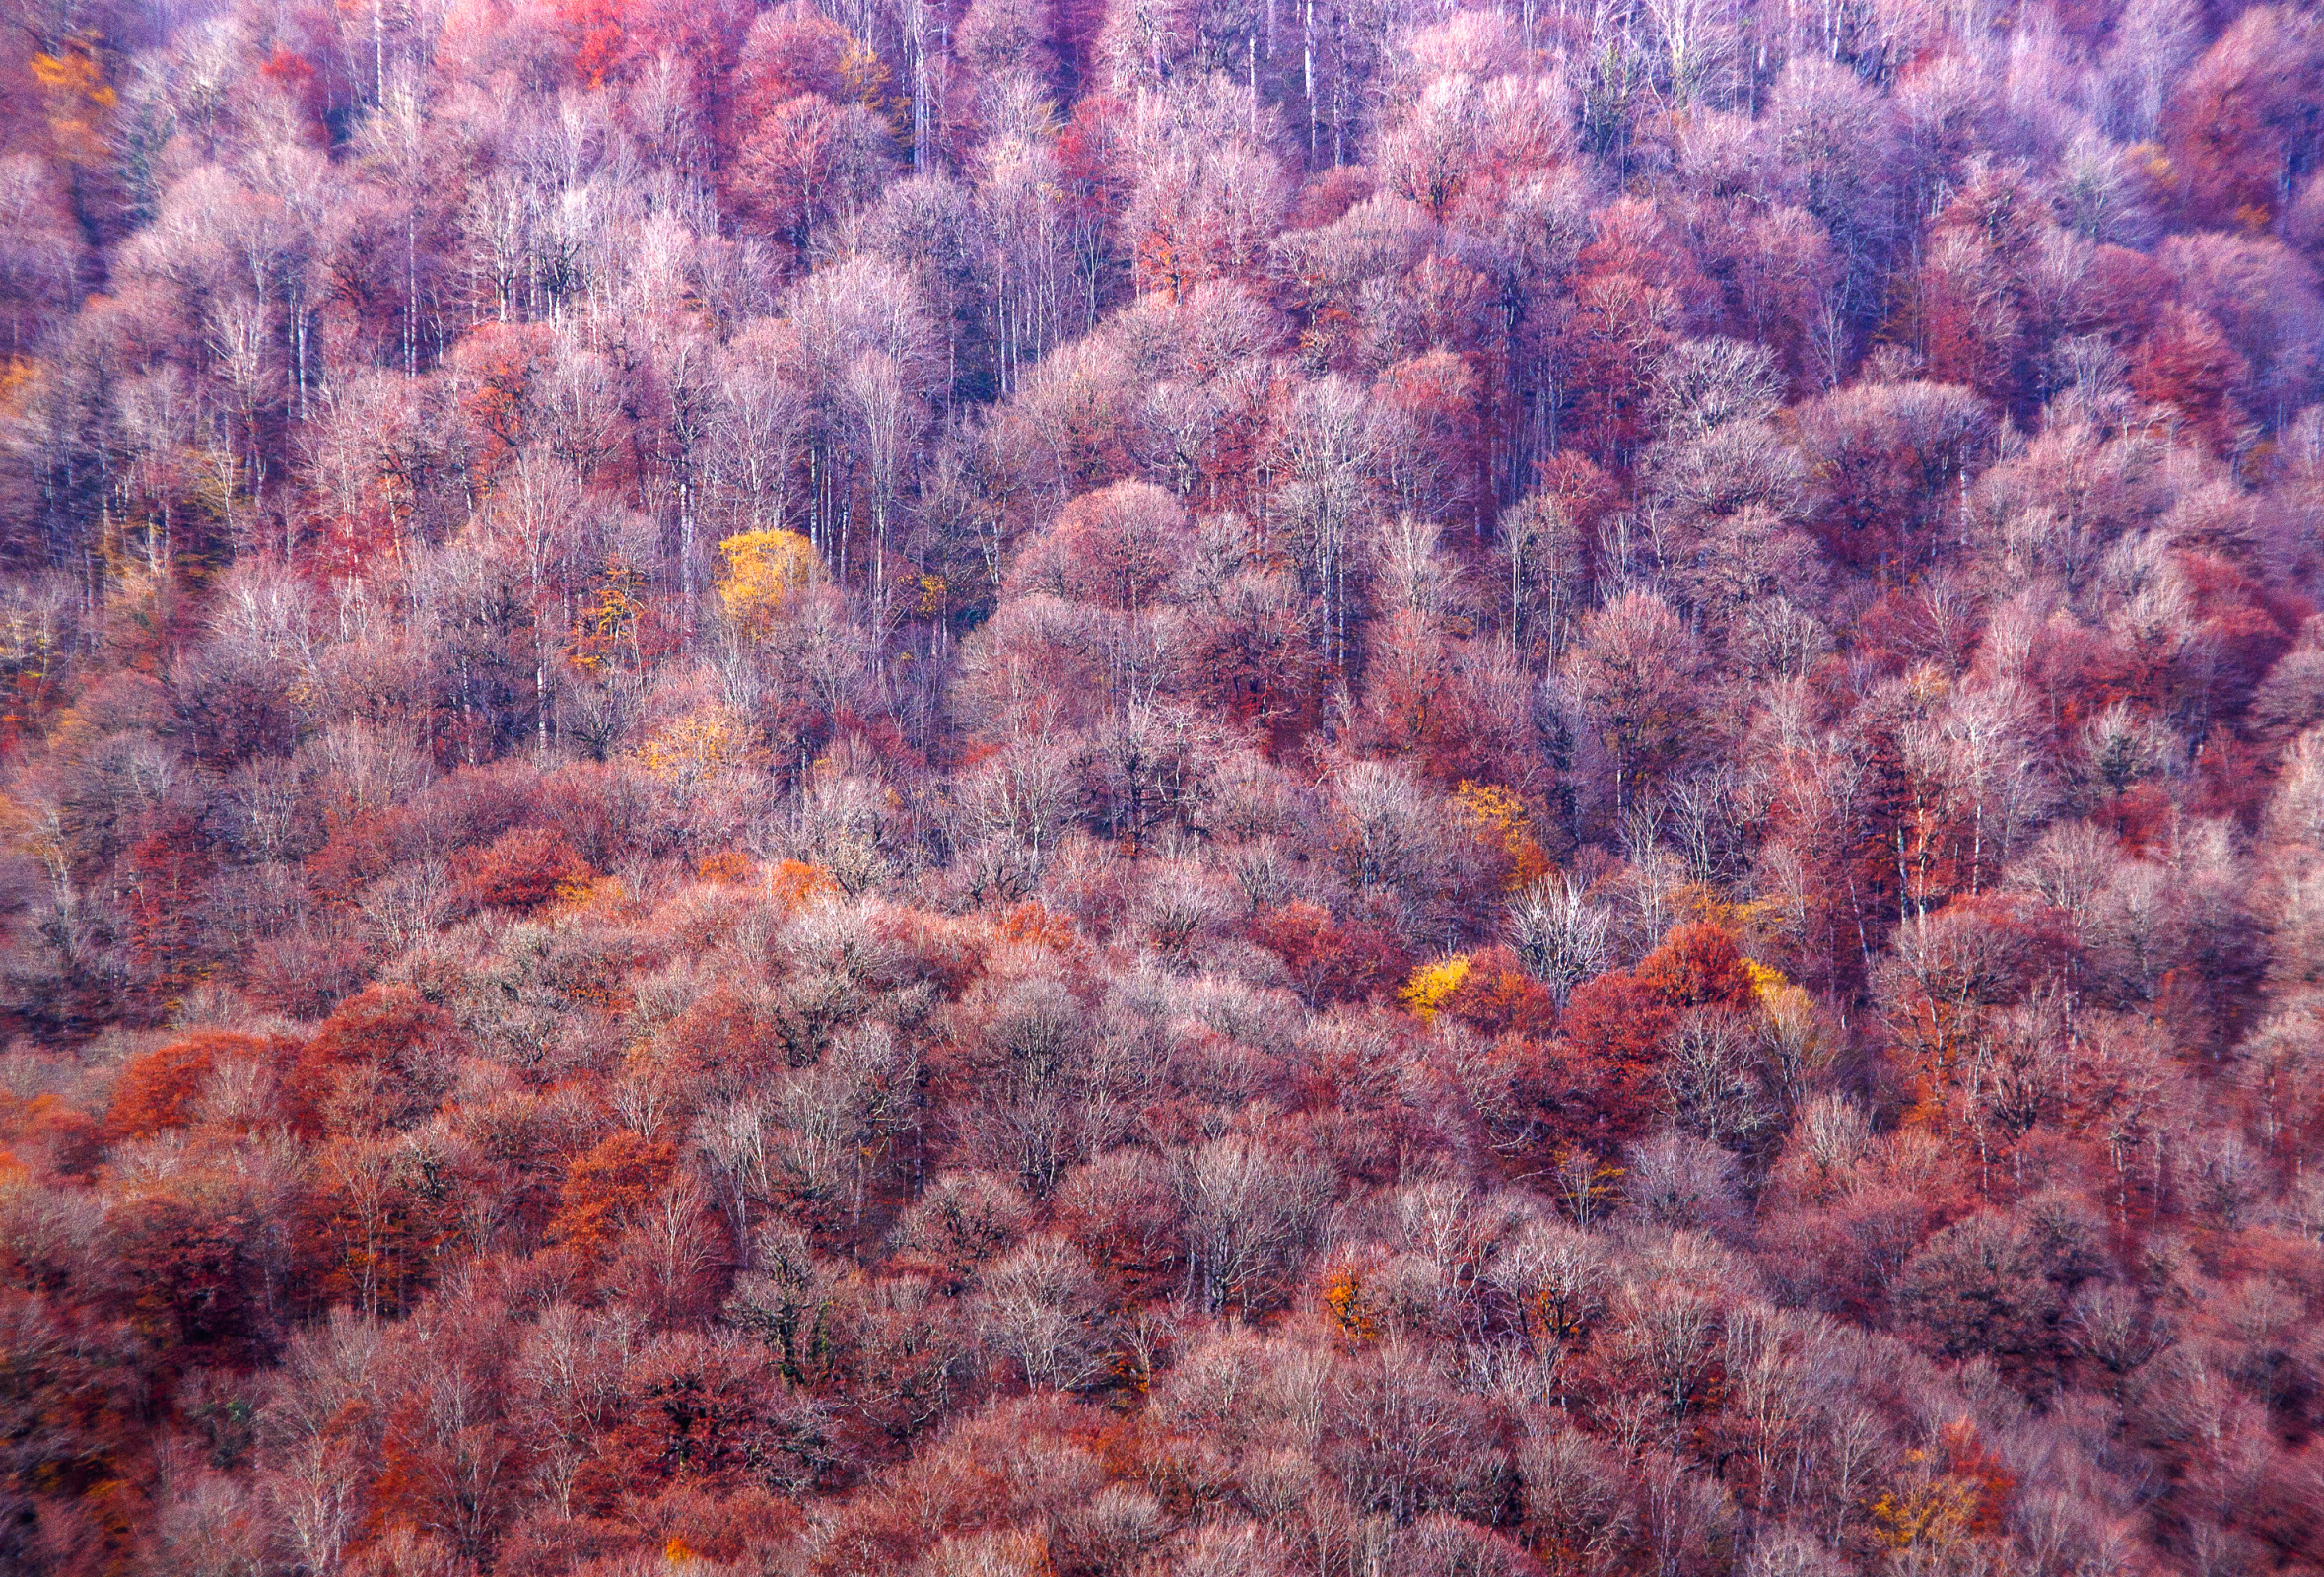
(1161, 788)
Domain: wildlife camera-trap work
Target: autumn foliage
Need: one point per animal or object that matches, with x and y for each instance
(1002, 789)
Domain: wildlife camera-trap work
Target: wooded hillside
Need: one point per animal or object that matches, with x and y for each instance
(1126, 787)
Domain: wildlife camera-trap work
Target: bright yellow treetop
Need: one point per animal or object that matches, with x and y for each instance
(764, 569)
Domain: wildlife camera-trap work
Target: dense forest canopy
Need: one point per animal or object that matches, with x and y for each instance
(1122, 787)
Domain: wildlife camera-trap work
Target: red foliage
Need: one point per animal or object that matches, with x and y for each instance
(361, 850)
(302, 84)
(1697, 965)
(2123, 290)
(373, 1224)
(1965, 1458)
(380, 1058)
(1435, 398)
(2230, 781)
(1901, 632)
(519, 869)
(1619, 328)
(1498, 998)
(1256, 654)
(613, 41)
(998, 989)
(1032, 924)
(2187, 363)
(792, 49)
(1330, 960)
(1988, 947)
(808, 161)
(157, 1090)
(501, 366)
(65, 1140)
(1426, 702)
(191, 1267)
(707, 1414)
(607, 1186)
(2142, 815)
(167, 870)
(2248, 626)
(2237, 118)
(947, 953)
(1614, 1031)
(1581, 486)
(724, 1035)
(379, 1024)
(1891, 457)
(1328, 195)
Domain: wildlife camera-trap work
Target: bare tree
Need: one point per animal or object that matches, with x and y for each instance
(1560, 935)
(1042, 1309)
(1253, 1214)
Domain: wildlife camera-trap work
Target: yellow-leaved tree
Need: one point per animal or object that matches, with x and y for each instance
(1431, 985)
(698, 747)
(764, 570)
(1501, 816)
(80, 100)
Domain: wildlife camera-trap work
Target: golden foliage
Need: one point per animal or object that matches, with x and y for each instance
(727, 867)
(1587, 1184)
(605, 897)
(1344, 1302)
(1501, 815)
(867, 78)
(1957, 1494)
(796, 884)
(579, 892)
(1432, 985)
(764, 570)
(1031, 924)
(709, 740)
(609, 618)
(16, 375)
(1491, 804)
(1767, 983)
(1935, 1515)
(79, 100)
